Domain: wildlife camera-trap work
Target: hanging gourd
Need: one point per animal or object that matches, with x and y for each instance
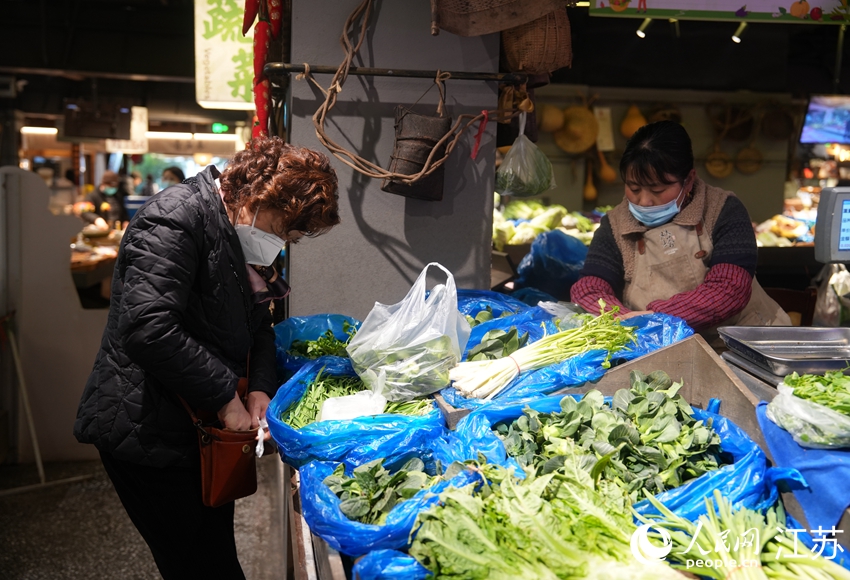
(589, 189)
(634, 120)
(550, 119)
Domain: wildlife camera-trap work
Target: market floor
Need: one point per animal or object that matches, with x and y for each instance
(77, 531)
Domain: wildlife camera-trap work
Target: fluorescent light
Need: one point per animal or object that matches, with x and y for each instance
(39, 130)
(736, 38)
(582, 4)
(168, 135)
(215, 137)
(228, 106)
(644, 25)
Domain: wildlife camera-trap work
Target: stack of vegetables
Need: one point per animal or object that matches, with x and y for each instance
(523, 220)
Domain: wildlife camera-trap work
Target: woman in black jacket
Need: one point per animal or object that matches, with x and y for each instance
(190, 303)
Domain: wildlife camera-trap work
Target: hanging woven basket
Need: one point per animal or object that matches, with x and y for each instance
(477, 17)
(540, 46)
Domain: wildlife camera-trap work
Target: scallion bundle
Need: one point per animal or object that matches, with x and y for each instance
(486, 379)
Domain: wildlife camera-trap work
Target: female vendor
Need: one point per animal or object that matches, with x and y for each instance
(675, 244)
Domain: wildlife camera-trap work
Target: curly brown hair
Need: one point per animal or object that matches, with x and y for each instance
(298, 184)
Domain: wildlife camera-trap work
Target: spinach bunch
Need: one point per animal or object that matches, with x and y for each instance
(326, 345)
(372, 491)
(497, 344)
(646, 441)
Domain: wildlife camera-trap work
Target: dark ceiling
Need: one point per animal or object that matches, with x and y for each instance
(155, 37)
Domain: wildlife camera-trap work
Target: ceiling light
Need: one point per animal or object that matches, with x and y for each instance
(168, 135)
(39, 130)
(644, 25)
(736, 38)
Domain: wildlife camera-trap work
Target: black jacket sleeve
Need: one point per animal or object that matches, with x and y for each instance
(263, 365)
(91, 216)
(158, 268)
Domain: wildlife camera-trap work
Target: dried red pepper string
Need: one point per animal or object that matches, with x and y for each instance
(275, 10)
(251, 8)
(261, 102)
(261, 49)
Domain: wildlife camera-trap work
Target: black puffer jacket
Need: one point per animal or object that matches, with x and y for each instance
(181, 322)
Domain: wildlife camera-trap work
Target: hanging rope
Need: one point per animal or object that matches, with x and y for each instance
(364, 166)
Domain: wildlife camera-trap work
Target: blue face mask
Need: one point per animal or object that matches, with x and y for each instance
(656, 215)
(110, 190)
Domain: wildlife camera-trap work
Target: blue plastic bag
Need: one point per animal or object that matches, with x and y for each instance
(356, 441)
(305, 328)
(471, 302)
(553, 265)
(653, 332)
(320, 507)
(389, 565)
(535, 321)
(532, 296)
(747, 482)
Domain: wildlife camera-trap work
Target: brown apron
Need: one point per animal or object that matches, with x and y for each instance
(672, 259)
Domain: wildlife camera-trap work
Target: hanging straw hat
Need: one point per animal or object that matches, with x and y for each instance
(579, 131)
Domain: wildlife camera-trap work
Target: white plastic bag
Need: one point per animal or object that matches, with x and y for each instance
(812, 425)
(525, 171)
(362, 404)
(832, 307)
(405, 350)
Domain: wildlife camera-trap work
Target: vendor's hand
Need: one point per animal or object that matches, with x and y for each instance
(101, 223)
(234, 416)
(633, 313)
(257, 404)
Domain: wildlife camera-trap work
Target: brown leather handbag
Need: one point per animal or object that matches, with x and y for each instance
(228, 460)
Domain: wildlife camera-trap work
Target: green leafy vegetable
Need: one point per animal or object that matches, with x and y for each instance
(372, 491)
(830, 390)
(645, 442)
(325, 345)
(497, 343)
(307, 409)
(486, 315)
(546, 526)
(525, 171)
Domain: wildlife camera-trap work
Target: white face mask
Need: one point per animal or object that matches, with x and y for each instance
(260, 248)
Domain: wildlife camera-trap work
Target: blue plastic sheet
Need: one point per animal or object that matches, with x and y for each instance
(553, 264)
(654, 331)
(320, 507)
(747, 482)
(535, 321)
(305, 328)
(389, 565)
(356, 441)
(822, 501)
(471, 302)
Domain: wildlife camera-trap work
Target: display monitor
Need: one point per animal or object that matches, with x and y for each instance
(832, 230)
(827, 120)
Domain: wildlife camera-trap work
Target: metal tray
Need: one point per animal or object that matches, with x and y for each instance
(783, 350)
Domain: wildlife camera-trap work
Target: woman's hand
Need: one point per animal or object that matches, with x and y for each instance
(101, 223)
(234, 416)
(258, 402)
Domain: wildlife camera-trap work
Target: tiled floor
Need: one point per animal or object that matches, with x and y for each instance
(80, 530)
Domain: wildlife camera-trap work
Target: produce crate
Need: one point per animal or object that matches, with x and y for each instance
(705, 376)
